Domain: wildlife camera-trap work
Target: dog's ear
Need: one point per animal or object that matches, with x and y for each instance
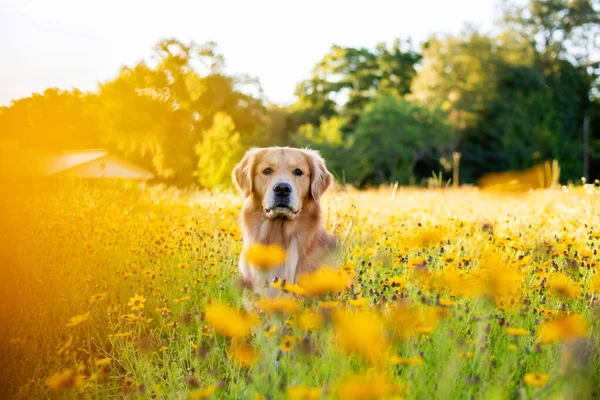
(320, 177)
(243, 172)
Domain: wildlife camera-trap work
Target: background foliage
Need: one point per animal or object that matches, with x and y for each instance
(503, 101)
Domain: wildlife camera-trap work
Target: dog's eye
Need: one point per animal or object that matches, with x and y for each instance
(268, 171)
(298, 172)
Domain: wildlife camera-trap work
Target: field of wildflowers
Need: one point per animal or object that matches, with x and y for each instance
(118, 290)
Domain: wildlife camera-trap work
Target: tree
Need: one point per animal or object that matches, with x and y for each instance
(347, 78)
(56, 119)
(160, 112)
(218, 152)
(392, 135)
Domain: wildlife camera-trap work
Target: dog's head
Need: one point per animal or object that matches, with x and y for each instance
(282, 179)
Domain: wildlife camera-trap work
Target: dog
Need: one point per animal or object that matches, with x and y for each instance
(282, 188)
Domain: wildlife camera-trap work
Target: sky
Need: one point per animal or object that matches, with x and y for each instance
(79, 43)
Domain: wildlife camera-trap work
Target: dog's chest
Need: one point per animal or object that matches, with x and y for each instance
(275, 231)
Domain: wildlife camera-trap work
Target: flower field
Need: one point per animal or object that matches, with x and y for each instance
(128, 291)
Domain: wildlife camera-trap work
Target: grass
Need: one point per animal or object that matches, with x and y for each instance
(466, 265)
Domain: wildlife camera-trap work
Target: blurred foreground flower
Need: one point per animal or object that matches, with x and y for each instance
(202, 393)
(243, 354)
(228, 321)
(360, 387)
(285, 305)
(563, 286)
(418, 360)
(535, 379)
(563, 328)
(362, 333)
(303, 393)
(324, 280)
(65, 379)
(265, 256)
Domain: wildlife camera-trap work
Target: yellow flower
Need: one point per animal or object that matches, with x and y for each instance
(285, 305)
(243, 354)
(265, 256)
(287, 287)
(536, 379)
(595, 284)
(132, 318)
(136, 302)
(409, 321)
(329, 305)
(101, 362)
(180, 300)
(269, 332)
(468, 354)
(447, 303)
(97, 297)
(303, 393)
(364, 387)
(287, 343)
(563, 328)
(359, 302)
(563, 286)
(122, 334)
(309, 320)
(418, 360)
(228, 321)
(65, 379)
(78, 320)
(361, 332)
(324, 280)
(511, 347)
(202, 394)
(516, 331)
(396, 281)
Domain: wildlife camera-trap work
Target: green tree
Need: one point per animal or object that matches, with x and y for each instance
(218, 152)
(347, 78)
(56, 119)
(159, 112)
(392, 135)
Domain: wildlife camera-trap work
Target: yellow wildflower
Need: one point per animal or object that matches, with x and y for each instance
(243, 354)
(285, 305)
(303, 393)
(324, 280)
(536, 379)
(78, 320)
(418, 360)
(228, 321)
(361, 387)
(563, 286)
(563, 328)
(265, 256)
(65, 379)
(361, 332)
(517, 331)
(202, 394)
(136, 302)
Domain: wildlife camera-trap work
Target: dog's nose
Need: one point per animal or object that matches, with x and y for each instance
(282, 189)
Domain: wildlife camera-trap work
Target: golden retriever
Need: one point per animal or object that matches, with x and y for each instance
(281, 187)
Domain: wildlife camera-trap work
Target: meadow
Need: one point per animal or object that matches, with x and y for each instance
(127, 290)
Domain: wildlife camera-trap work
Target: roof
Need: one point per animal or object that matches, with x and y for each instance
(93, 163)
(55, 163)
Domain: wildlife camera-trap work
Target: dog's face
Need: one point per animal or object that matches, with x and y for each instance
(283, 179)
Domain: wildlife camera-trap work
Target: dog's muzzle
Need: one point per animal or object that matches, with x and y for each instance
(281, 201)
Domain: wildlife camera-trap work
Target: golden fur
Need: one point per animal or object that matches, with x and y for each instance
(296, 227)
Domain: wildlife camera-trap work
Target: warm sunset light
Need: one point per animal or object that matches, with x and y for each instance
(300, 200)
